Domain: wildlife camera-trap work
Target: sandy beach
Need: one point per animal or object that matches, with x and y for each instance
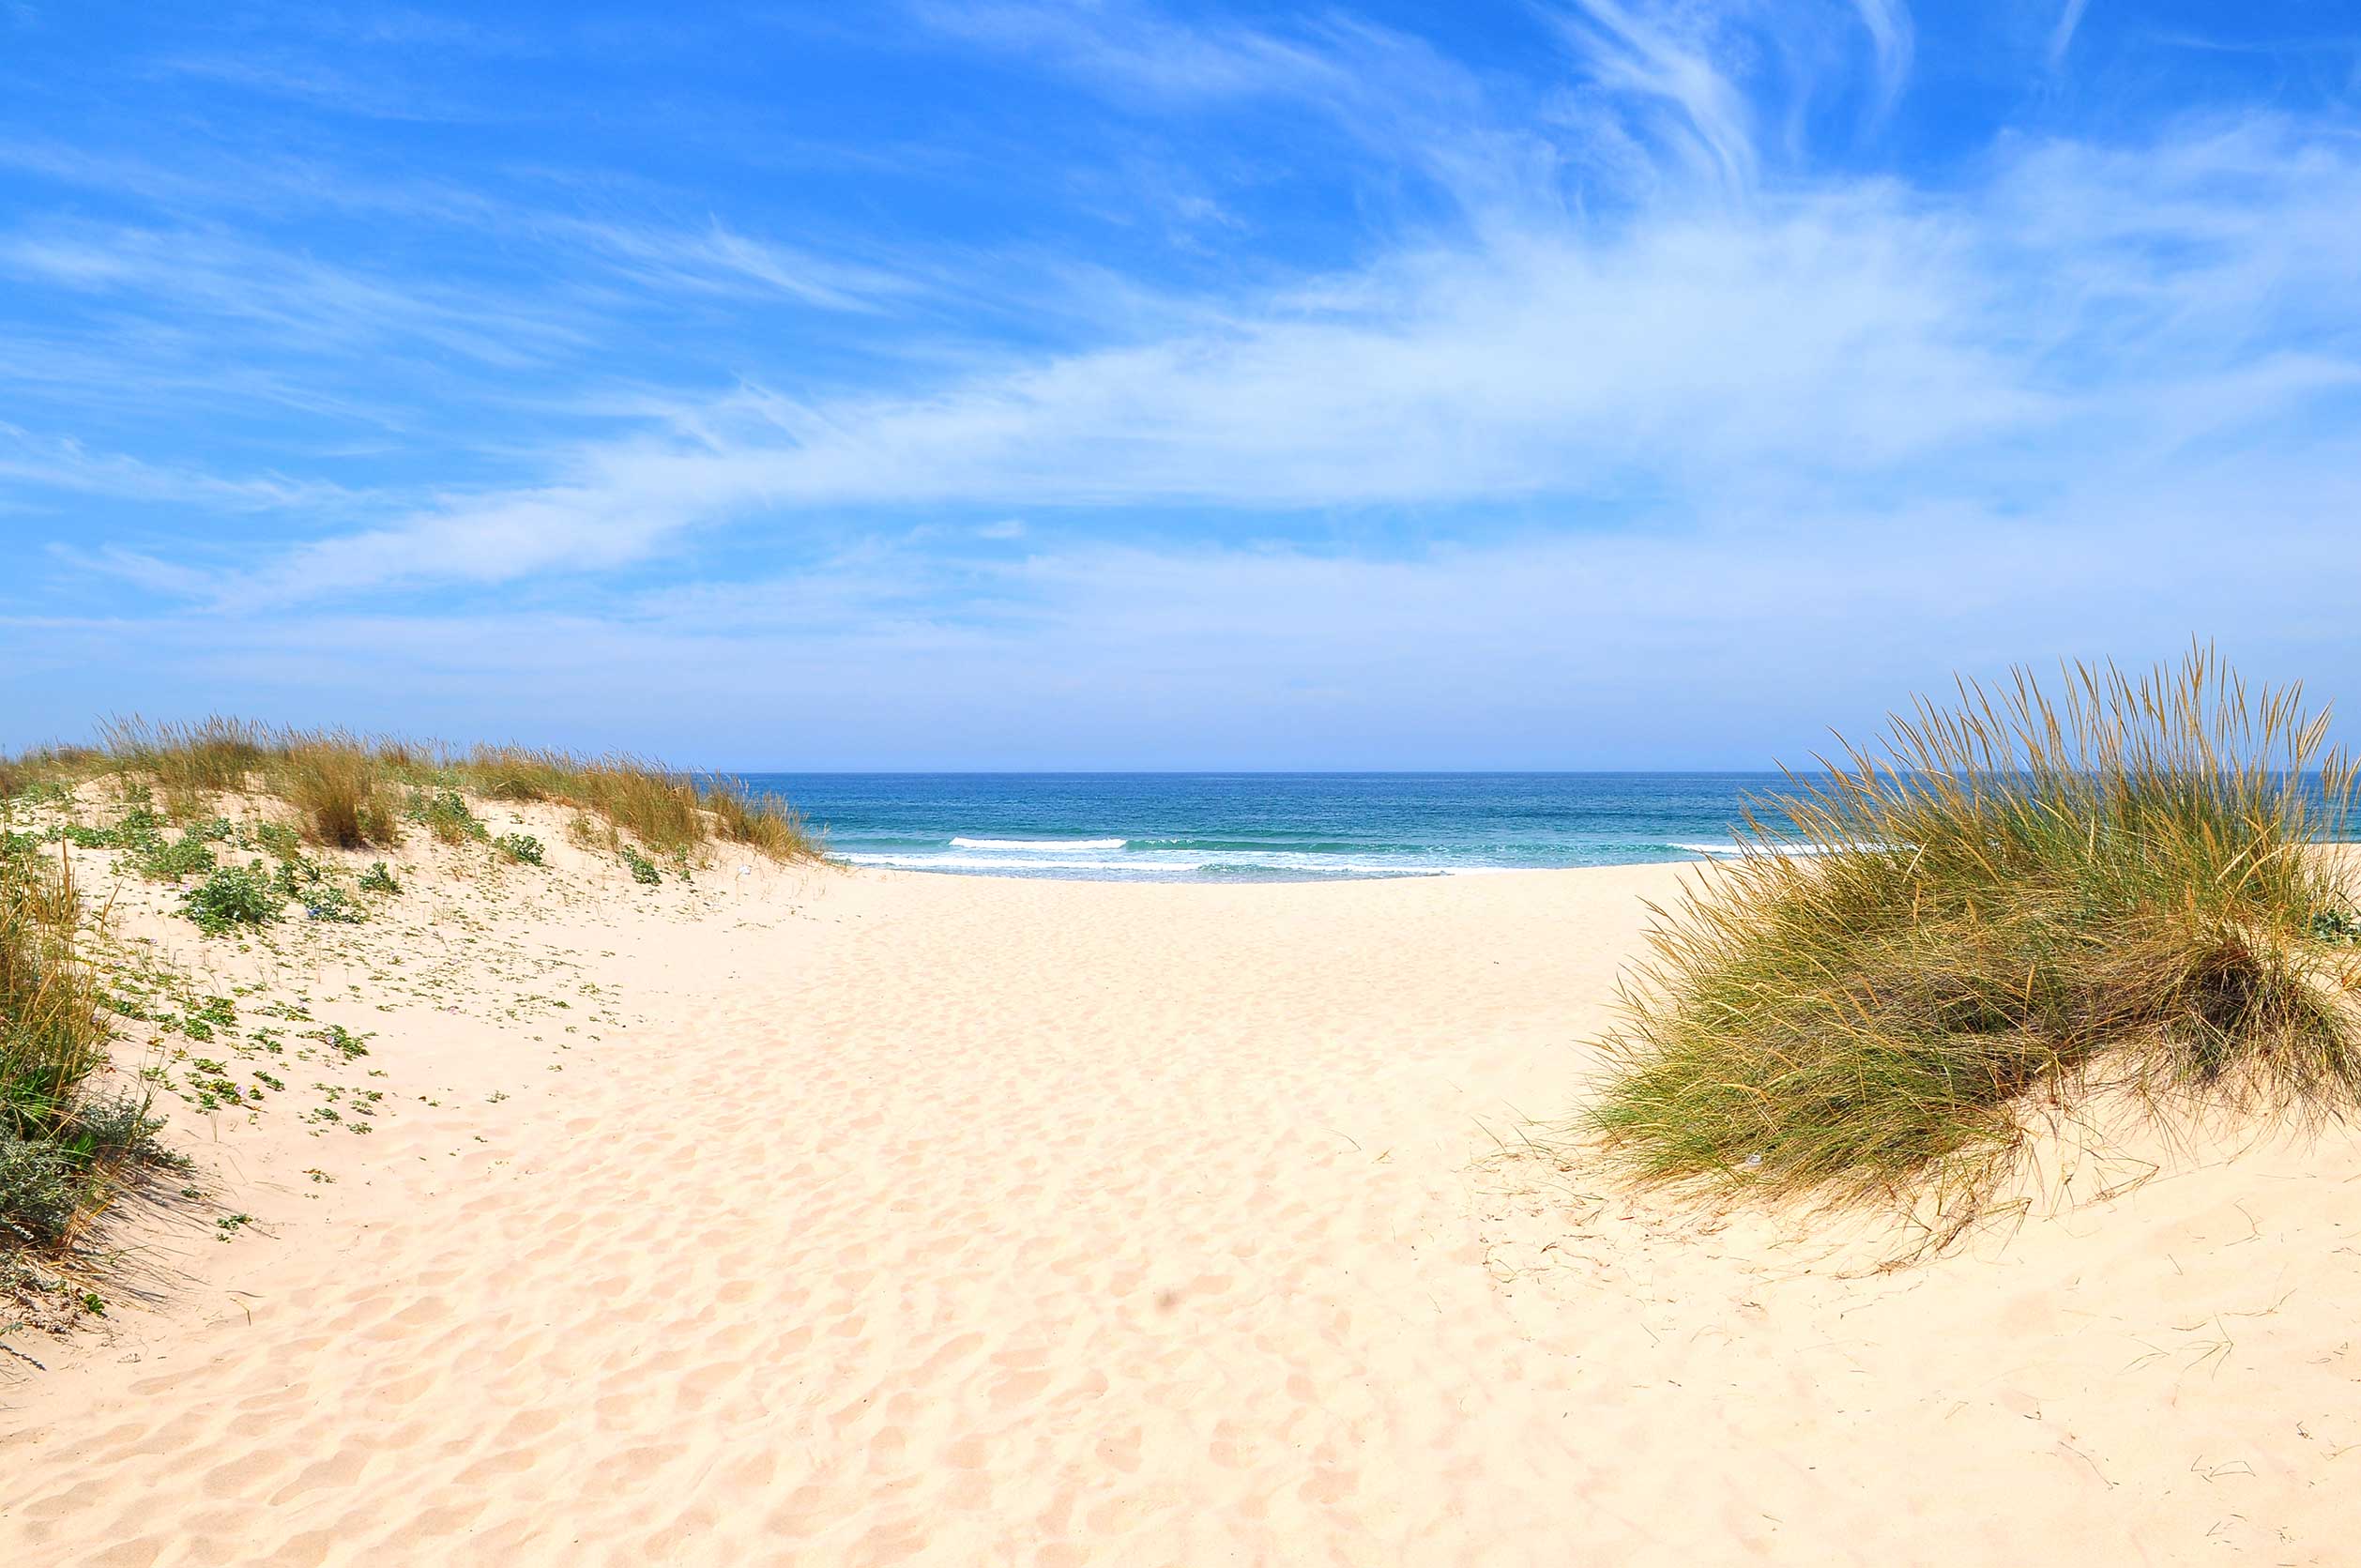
(870, 1218)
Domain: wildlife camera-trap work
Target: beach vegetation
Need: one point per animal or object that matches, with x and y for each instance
(303, 880)
(444, 814)
(520, 849)
(347, 791)
(341, 791)
(234, 896)
(2015, 902)
(64, 1143)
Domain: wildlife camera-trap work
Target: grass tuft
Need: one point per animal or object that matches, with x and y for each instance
(2016, 900)
(62, 1146)
(341, 791)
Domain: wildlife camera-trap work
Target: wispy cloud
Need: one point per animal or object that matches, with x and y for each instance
(1126, 48)
(1284, 377)
(1894, 39)
(1664, 58)
(66, 465)
(2088, 306)
(307, 303)
(717, 257)
(2062, 35)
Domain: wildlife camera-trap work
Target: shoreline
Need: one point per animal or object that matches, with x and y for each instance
(893, 1217)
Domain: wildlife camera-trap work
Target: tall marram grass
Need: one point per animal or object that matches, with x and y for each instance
(345, 789)
(2017, 899)
(61, 1146)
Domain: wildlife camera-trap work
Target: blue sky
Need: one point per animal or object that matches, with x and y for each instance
(1048, 384)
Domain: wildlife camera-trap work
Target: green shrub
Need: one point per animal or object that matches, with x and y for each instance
(2016, 899)
(307, 882)
(520, 848)
(377, 879)
(231, 897)
(643, 869)
(39, 1193)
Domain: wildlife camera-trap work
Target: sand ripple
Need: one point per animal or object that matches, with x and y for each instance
(970, 1222)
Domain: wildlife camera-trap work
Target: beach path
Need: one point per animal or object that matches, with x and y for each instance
(963, 1221)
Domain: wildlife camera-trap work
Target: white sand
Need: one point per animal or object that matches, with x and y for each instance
(964, 1222)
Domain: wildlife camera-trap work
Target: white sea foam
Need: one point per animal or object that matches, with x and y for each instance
(1157, 864)
(1036, 845)
(1731, 851)
(923, 861)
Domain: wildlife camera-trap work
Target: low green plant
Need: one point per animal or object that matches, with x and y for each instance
(171, 862)
(35, 791)
(340, 1040)
(231, 897)
(2016, 899)
(329, 902)
(643, 869)
(305, 881)
(2340, 926)
(520, 848)
(377, 879)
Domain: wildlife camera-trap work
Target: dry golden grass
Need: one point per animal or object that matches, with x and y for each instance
(2016, 899)
(341, 790)
(344, 788)
(60, 1148)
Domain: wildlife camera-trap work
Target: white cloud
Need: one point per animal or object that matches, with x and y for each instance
(2061, 36)
(1665, 57)
(307, 304)
(718, 257)
(1634, 418)
(68, 466)
(1725, 643)
(1893, 40)
(2086, 308)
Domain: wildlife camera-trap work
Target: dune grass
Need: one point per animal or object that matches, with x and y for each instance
(349, 791)
(66, 1147)
(2011, 903)
(62, 1147)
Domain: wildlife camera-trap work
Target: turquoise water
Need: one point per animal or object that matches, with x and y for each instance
(1266, 826)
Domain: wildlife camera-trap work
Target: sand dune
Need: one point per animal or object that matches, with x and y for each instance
(963, 1221)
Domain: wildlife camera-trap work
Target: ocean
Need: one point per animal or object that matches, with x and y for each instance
(1266, 826)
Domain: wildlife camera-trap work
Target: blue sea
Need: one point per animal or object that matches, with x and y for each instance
(1266, 826)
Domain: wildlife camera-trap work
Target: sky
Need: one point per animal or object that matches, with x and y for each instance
(1047, 384)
